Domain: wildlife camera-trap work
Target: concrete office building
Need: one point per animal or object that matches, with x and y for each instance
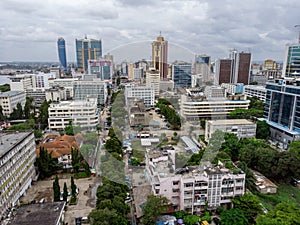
(101, 68)
(202, 68)
(241, 127)
(193, 188)
(17, 157)
(255, 91)
(291, 63)
(67, 83)
(21, 82)
(153, 79)
(56, 94)
(146, 93)
(82, 112)
(10, 99)
(38, 95)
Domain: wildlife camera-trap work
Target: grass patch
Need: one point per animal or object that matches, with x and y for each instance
(285, 193)
(81, 175)
(139, 154)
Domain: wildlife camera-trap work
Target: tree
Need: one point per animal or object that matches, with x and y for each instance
(45, 163)
(73, 187)
(17, 113)
(262, 130)
(65, 192)
(284, 214)
(191, 219)
(233, 216)
(249, 204)
(154, 206)
(43, 116)
(295, 148)
(56, 190)
(69, 130)
(202, 123)
(76, 160)
(28, 108)
(106, 217)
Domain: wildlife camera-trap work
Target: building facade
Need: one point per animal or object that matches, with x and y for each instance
(241, 127)
(87, 49)
(61, 47)
(182, 74)
(67, 83)
(160, 56)
(255, 91)
(153, 79)
(291, 63)
(101, 68)
(95, 88)
(192, 189)
(193, 109)
(82, 112)
(17, 157)
(282, 110)
(202, 68)
(146, 93)
(10, 99)
(223, 71)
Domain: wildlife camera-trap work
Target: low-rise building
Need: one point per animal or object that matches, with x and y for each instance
(81, 112)
(67, 83)
(56, 93)
(256, 91)
(193, 188)
(17, 157)
(138, 115)
(51, 213)
(195, 108)
(10, 99)
(241, 127)
(263, 184)
(38, 95)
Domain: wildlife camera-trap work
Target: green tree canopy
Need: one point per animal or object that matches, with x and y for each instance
(154, 206)
(233, 217)
(262, 130)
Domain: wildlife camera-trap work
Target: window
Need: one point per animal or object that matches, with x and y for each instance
(175, 182)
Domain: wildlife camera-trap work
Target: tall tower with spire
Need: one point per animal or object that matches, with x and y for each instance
(160, 56)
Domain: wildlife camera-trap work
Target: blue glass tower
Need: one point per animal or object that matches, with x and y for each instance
(291, 65)
(61, 45)
(182, 74)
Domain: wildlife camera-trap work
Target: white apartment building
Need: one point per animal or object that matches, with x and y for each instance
(146, 93)
(153, 79)
(17, 157)
(81, 112)
(200, 108)
(67, 83)
(241, 127)
(38, 95)
(55, 94)
(191, 188)
(10, 99)
(214, 92)
(256, 91)
(22, 82)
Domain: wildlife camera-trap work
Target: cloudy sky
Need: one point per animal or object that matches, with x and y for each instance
(29, 28)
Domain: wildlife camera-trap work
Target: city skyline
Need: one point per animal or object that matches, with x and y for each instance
(29, 30)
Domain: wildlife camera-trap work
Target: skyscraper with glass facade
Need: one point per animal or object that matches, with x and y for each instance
(282, 110)
(87, 49)
(291, 64)
(61, 45)
(182, 74)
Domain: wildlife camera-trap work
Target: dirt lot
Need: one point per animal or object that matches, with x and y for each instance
(86, 197)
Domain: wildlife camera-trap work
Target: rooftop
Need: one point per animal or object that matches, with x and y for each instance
(37, 214)
(230, 122)
(10, 139)
(11, 93)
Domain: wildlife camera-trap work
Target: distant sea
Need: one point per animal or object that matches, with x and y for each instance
(4, 79)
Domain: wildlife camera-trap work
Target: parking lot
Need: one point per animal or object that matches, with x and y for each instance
(86, 196)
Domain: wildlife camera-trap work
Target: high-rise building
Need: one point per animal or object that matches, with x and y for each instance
(239, 70)
(87, 49)
(282, 110)
(291, 64)
(101, 68)
(153, 79)
(223, 71)
(202, 68)
(61, 45)
(160, 56)
(182, 74)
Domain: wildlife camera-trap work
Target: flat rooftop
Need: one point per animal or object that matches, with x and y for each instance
(10, 139)
(38, 214)
(231, 122)
(10, 93)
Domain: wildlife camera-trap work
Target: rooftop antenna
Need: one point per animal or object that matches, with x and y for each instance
(298, 26)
